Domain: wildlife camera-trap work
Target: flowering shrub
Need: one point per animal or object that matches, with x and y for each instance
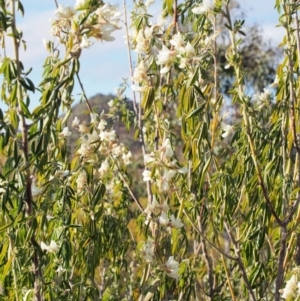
(222, 209)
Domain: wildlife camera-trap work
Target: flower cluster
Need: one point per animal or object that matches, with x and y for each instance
(96, 138)
(161, 210)
(170, 170)
(182, 51)
(292, 289)
(99, 23)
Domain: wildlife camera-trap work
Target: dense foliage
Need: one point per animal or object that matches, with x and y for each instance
(220, 220)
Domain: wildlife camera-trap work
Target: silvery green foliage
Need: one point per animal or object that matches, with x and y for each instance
(221, 214)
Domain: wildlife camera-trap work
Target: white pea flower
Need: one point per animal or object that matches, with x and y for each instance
(65, 132)
(266, 95)
(276, 82)
(206, 6)
(183, 170)
(147, 175)
(175, 222)
(164, 219)
(172, 268)
(75, 122)
(81, 181)
(85, 149)
(102, 124)
(149, 2)
(65, 12)
(108, 135)
(163, 185)
(155, 207)
(166, 149)
(35, 190)
(127, 158)
(85, 42)
(140, 72)
(170, 221)
(169, 174)
(228, 130)
(60, 270)
(178, 42)
(83, 128)
(190, 50)
(148, 250)
(290, 289)
(104, 168)
(111, 103)
(80, 4)
(136, 88)
(53, 247)
(165, 57)
(149, 158)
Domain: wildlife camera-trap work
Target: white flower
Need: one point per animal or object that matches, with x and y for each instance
(165, 56)
(149, 2)
(164, 219)
(266, 95)
(172, 268)
(53, 247)
(165, 69)
(228, 130)
(60, 270)
(155, 207)
(166, 149)
(170, 221)
(163, 185)
(178, 42)
(85, 149)
(175, 222)
(290, 288)
(65, 132)
(143, 40)
(111, 103)
(102, 124)
(136, 88)
(108, 135)
(65, 12)
(83, 128)
(206, 6)
(140, 72)
(169, 174)
(85, 42)
(149, 158)
(146, 175)
(189, 50)
(104, 168)
(127, 158)
(80, 4)
(148, 250)
(276, 82)
(35, 190)
(81, 181)
(183, 170)
(75, 122)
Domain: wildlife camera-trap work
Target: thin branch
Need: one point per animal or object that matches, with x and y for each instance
(207, 240)
(127, 186)
(240, 262)
(83, 93)
(137, 109)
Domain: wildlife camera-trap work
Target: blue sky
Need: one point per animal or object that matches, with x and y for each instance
(105, 64)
